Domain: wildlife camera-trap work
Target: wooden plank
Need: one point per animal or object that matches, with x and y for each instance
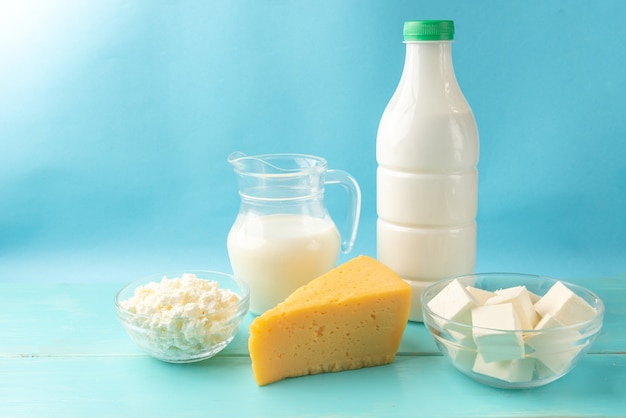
(63, 352)
(223, 386)
(44, 319)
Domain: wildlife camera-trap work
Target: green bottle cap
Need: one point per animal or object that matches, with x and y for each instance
(429, 30)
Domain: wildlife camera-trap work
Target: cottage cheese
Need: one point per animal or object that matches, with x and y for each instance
(182, 316)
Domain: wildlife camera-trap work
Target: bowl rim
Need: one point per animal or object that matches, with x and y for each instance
(243, 298)
(598, 318)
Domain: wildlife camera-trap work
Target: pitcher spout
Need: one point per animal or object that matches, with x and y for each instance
(252, 165)
(277, 164)
(236, 160)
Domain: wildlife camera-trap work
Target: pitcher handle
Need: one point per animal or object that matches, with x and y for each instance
(354, 208)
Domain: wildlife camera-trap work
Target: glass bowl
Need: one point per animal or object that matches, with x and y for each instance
(510, 358)
(180, 328)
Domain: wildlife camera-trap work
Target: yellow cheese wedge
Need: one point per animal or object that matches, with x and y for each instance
(351, 317)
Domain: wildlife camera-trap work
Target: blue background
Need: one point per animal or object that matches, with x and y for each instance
(116, 118)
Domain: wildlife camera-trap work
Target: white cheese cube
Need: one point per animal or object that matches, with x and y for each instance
(558, 362)
(534, 298)
(519, 297)
(481, 296)
(459, 336)
(494, 339)
(557, 349)
(463, 357)
(542, 370)
(453, 302)
(564, 305)
(551, 341)
(520, 370)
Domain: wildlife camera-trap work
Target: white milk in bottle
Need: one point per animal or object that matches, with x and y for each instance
(427, 153)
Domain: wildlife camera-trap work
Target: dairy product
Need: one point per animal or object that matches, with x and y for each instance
(454, 302)
(534, 298)
(427, 154)
(481, 296)
(564, 305)
(351, 317)
(276, 254)
(492, 343)
(513, 334)
(423, 255)
(520, 299)
(518, 370)
(462, 356)
(179, 317)
(554, 350)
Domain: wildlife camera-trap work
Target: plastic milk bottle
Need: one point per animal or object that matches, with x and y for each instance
(427, 153)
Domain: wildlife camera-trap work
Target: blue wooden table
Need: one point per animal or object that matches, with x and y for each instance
(63, 353)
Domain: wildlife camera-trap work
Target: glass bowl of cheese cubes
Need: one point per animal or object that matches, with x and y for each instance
(512, 330)
(183, 317)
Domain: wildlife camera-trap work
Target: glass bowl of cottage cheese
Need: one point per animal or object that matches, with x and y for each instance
(512, 330)
(183, 317)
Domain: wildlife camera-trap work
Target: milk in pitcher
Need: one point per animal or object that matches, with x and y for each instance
(279, 253)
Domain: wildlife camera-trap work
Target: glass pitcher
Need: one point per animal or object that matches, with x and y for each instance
(283, 236)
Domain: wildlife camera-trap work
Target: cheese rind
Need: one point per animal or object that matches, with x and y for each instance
(351, 317)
